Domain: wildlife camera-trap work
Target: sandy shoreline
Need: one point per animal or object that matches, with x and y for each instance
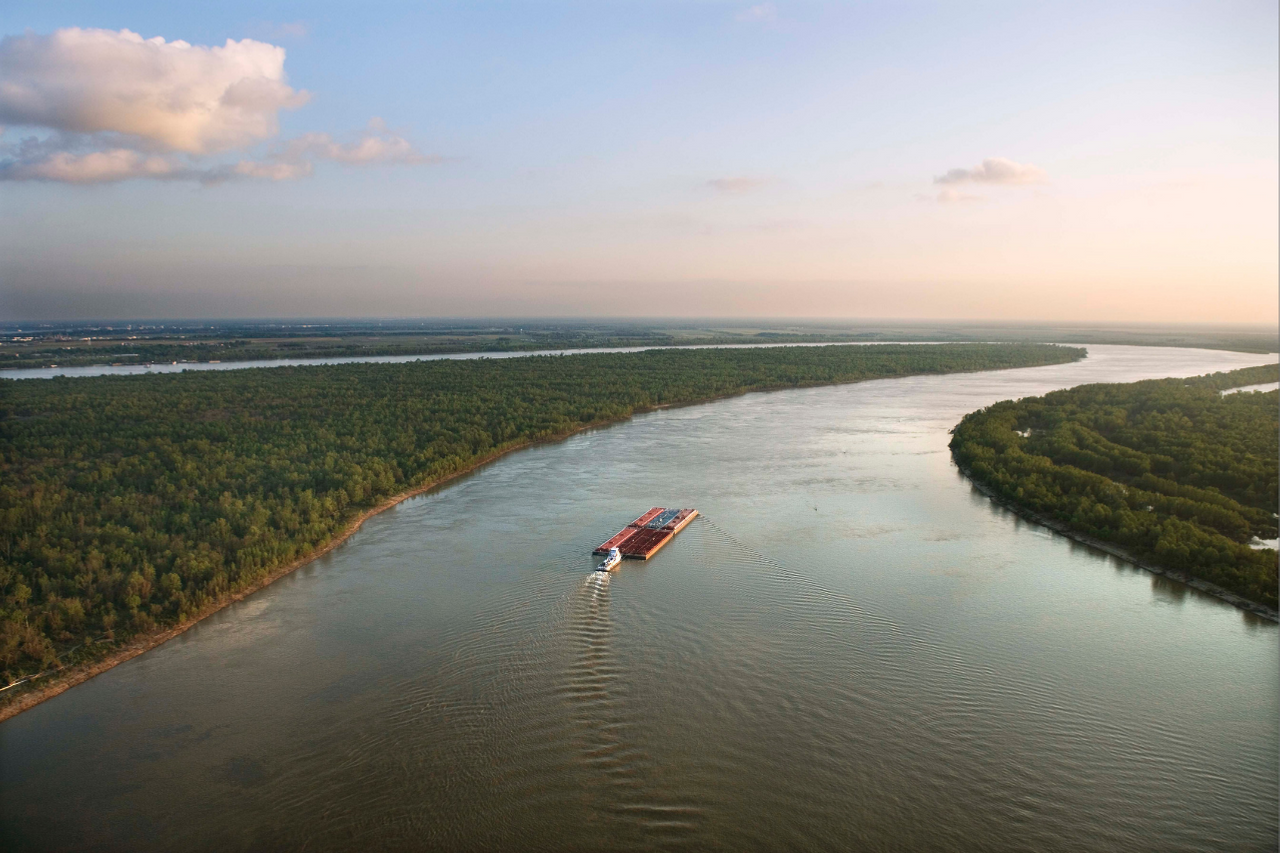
(1116, 551)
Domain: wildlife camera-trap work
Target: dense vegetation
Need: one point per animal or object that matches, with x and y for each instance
(77, 345)
(1172, 470)
(90, 343)
(159, 351)
(133, 502)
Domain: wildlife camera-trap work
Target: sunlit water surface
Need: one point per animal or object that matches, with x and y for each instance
(851, 650)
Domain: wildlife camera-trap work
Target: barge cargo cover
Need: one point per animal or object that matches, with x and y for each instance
(642, 538)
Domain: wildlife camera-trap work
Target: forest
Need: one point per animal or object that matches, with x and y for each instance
(132, 503)
(120, 349)
(78, 344)
(1172, 470)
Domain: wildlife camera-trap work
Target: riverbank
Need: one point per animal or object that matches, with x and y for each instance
(62, 680)
(458, 633)
(1116, 551)
(343, 434)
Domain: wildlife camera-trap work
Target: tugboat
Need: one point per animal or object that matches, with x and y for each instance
(611, 561)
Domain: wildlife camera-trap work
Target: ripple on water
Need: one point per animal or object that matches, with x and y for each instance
(847, 650)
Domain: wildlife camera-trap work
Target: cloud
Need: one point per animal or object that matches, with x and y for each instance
(264, 170)
(376, 144)
(761, 13)
(114, 106)
(124, 164)
(294, 158)
(168, 95)
(46, 160)
(994, 170)
(736, 185)
(96, 167)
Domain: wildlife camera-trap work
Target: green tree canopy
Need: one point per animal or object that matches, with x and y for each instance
(134, 502)
(1173, 470)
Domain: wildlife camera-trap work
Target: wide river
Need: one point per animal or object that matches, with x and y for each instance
(852, 649)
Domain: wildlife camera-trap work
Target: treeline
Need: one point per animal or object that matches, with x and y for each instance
(249, 349)
(1173, 470)
(70, 345)
(128, 503)
(47, 354)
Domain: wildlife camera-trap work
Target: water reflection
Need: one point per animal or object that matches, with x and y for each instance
(1168, 590)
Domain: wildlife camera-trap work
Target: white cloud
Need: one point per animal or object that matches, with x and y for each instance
(266, 170)
(124, 164)
(736, 185)
(994, 170)
(168, 95)
(96, 167)
(114, 106)
(296, 157)
(47, 160)
(376, 144)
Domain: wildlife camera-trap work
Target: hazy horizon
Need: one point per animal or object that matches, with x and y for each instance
(928, 163)
(547, 321)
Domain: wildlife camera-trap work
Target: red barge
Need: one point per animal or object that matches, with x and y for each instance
(642, 538)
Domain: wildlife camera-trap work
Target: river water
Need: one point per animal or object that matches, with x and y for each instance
(851, 650)
(184, 366)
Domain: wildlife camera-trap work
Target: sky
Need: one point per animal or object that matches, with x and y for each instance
(1109, 161)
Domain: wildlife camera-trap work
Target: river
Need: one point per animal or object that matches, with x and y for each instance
(183, 366)
(852, 649)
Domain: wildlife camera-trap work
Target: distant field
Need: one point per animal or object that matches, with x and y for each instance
(80, 344)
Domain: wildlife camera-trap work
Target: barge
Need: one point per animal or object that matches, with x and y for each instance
(642, 538)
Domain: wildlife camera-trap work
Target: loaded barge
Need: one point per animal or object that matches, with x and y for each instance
(642, 538)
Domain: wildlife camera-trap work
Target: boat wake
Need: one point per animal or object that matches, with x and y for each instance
(592, 685)
(617, 770)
